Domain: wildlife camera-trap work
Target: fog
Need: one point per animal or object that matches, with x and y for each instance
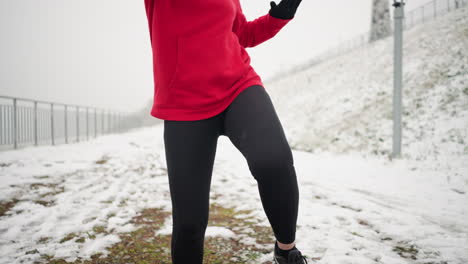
(98, 53)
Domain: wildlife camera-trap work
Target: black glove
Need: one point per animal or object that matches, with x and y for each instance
(285, 9)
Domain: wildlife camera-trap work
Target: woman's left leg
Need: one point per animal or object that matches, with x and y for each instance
(252, 125)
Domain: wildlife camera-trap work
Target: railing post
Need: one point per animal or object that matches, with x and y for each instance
(20, 124)
(2, 126)
(111, 122)
(404, 24)
(112, 119)
(95, 123)
(422, 10)
(77, 124)
(35, 124)
(116, 119)
(15, 136)
(66, 124)
(28, 125)
(108, 122)
(412, 18)
(52, 123)
(24, 122)
(121, 122)
(102, 122)
(119, 115)
(435, 8)
(30, 132)
(87, 124)
(397, 78)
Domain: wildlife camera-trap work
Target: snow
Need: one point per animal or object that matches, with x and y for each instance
(345, 103)
(92, 195)
(356, 204)
(219, 231)
(353, 209)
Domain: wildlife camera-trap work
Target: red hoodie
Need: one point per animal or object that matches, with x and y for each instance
(199, 59)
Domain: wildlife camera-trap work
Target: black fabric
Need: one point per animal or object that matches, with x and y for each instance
(286, 9)
(252, 125)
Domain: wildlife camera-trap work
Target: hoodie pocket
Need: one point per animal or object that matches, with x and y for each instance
(204, 68)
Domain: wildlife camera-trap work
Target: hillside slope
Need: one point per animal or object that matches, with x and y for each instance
(345, 104)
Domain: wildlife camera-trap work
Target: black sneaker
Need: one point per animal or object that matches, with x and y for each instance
(294, 257)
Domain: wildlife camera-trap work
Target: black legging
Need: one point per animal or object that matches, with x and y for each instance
(252, 125)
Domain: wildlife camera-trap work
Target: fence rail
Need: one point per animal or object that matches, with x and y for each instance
(25, 122)
(424, 13)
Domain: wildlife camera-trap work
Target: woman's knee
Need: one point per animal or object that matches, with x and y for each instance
(271, 163)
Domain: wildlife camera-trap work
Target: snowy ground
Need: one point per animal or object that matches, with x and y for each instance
(352, 209)
(73, 201)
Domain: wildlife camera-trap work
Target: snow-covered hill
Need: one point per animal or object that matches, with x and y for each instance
(345, 104)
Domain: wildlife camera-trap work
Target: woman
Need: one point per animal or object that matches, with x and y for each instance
(205, 87)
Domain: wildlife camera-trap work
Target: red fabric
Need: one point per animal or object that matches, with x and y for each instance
(199, 59)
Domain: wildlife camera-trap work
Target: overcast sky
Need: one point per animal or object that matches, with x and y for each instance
(97, 52)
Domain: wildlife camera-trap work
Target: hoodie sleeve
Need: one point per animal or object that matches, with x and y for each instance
(252, 33)
(149, 8)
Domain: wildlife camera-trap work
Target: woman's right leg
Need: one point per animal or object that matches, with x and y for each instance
(190, 148)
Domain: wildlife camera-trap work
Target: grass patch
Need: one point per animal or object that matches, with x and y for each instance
(45, 203)
(68, 237)
(41, 177)
(143, 246)
(102, 160)
(47, 198)
(56, 189)
(43, 240)
(363, 222)
(347, 207)
(6, 206)
(354, 233)
(406, 251)
(99, 229)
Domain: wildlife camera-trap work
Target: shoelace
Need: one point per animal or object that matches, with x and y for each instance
(295, 257)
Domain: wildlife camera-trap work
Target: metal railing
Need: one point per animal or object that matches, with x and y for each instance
(431, 10)
(424, 13)
(25, 122)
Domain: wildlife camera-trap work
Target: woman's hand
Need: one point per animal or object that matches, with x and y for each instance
(285, 9)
